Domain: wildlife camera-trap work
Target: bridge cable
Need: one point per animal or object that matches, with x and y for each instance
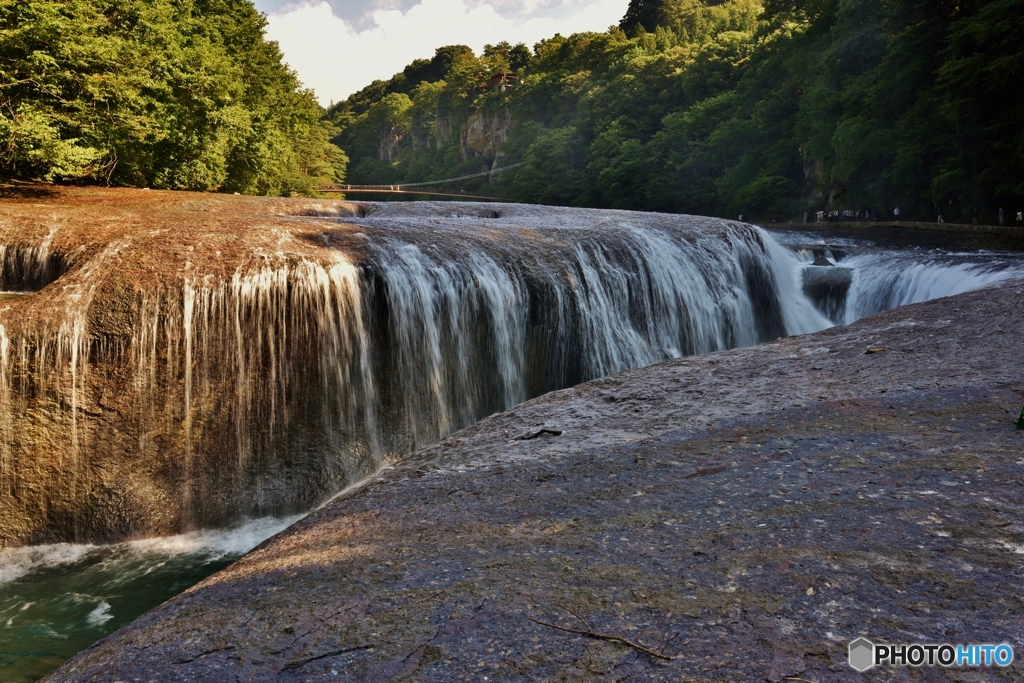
(402, 186)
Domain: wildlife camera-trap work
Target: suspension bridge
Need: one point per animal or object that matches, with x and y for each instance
(415, 188)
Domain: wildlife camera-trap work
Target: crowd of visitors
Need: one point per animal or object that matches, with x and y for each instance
(849, 215)
(872, 215)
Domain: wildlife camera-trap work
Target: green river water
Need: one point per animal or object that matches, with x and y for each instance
(57, 600)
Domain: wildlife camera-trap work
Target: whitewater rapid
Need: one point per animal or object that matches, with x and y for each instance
(57, 599)
(882, 278)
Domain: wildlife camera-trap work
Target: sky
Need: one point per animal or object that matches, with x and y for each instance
(339, 46)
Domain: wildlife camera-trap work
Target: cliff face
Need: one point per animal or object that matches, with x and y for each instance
(484, 134)
(122, 399)
(177, 361)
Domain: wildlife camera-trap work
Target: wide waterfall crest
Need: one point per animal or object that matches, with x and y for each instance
(882, 282)
(347, 340)
(478, 325)
(267, 391)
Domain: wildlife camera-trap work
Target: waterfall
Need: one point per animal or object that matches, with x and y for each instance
(476, 325)
(273, 367)
(861, 280)
(886, 281)
(218, 396)
(27, 267)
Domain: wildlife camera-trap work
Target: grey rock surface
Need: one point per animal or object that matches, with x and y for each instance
(745, 514)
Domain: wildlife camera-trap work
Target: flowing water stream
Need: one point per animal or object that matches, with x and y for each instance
(864, 278)
(56, 600)
(438, 326)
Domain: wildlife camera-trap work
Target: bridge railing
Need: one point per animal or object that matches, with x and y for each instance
(1007, 230)
(402, 187)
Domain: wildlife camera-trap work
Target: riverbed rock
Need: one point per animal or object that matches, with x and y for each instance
(828, 286)
(745, 514)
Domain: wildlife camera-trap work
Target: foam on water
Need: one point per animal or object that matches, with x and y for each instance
(210, 544)
(100, 615)
(215, 543)
(57, 599)
(17, 562)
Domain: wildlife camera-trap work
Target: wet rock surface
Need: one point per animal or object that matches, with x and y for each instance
(745, 514)
(828, 285)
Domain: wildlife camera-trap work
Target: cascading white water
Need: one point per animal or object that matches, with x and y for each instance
(875, 279)
(56, 600)
(801, 315)
(265, 391)
(274, 360)
(28, 267)
(476, 325)
(887, 281)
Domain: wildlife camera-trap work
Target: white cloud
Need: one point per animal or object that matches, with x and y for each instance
(335, 59)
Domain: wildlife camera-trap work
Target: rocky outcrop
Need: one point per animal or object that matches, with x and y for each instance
(484, 134)
(828, 285)
(741, 515)
(124, 410)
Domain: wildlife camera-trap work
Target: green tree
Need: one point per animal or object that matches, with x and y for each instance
(391, 120)
(182, 94)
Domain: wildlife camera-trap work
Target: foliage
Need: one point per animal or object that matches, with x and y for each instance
(770, 108)
(181, 94)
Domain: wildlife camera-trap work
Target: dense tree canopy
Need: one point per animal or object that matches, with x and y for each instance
(182, 94)
(765, 107)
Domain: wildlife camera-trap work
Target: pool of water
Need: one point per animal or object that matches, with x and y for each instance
(56, 600)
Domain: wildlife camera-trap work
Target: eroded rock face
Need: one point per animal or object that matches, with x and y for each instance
(828, 286)
(191, 360)
(485, 133)
(746, 514)
(103, 433)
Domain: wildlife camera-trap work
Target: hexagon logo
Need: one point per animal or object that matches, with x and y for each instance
(862, 654)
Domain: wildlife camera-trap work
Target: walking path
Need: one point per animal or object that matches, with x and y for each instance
(1006, 230)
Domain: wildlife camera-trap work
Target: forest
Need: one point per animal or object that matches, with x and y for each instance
(769, 108)
(176, 94)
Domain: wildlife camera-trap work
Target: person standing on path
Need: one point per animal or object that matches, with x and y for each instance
(896, 213)
(940, 215)
(1001, 215)
(974, 215)
(1020, 218)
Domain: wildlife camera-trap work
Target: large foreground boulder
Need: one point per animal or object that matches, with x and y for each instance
(736, 516)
